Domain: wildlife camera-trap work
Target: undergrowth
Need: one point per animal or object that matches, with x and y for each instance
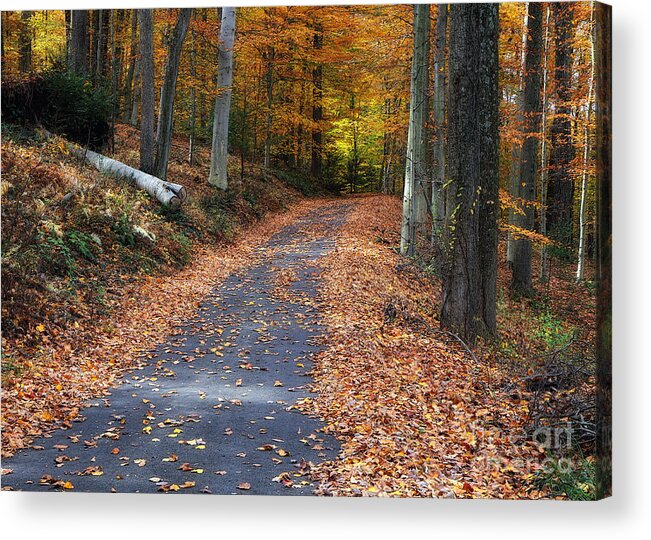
(74, 241)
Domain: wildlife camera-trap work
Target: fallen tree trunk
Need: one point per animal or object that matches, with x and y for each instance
(167, 193)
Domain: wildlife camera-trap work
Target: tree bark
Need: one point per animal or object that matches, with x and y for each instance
(586, 159)
(316, 164)
(470, 275)
(79, 42)
(543, 151)
(219, 156)
(439, 150)
(560, 191)
(147, 90)
(603, 119)
(25, 42)
(521, 266)
(130, 81)
(269, 79)
(516, 150)
(415, 201)
(168, 92)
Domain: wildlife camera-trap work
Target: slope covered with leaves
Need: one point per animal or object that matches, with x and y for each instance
(418, 414)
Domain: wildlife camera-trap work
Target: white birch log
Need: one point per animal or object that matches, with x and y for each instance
(167, 193)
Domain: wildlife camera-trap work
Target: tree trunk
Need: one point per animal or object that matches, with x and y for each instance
(586, 159)
(100, 49)
(438, 150)
(219, 155)
(168, 92)
(130, 81)
(147, 90)
(316, 164)
(135, 100)
(25, 42)
(521, 265)
(603, 119)
(516, 150)
(269, 79)
(470, 276)
(543, 152)
(560, 190)
(79, 42)
(415, 200)
(193, 97)
(167, 193)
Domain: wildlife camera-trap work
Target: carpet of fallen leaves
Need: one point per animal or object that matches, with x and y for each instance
(416, 412)
(82, 361)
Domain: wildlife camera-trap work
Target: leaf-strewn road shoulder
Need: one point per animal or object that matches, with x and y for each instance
(417, 415)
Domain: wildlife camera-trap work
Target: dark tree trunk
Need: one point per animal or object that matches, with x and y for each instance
(79, 42)
(166, 113)
(469, 283)
(25, 42)
(129, 80)
(532, 106)
(68, 25)
(101, 43)
(603, 61)
(147, 90)
(560, 188)
(316, 164)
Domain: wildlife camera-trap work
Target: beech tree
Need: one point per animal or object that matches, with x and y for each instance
(168, 92)
(603, 147)
(316, 163)
(528, 176)
(438, 147)
(79, 42)
(470, 275)
(219, 157)
(415, 203)
(147, 90)
(580, 267)
(25, 42)
(560, 190)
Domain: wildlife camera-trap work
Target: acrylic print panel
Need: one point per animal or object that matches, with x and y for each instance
(335, 250)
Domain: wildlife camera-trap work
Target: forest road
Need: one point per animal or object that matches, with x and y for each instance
(211, 410)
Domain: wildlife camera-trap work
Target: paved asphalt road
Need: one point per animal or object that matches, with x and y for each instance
(211, 411)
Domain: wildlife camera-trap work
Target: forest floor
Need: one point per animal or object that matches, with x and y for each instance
(191, 379)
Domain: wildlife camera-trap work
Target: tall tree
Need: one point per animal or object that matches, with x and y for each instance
(580, 267)
(543, 147)
(603, 146)
(168, 92)
(79, 42)
(516, 149)
(414, 201)
(129, 82)
(521, 264)
(560, 190)
(316, 164)
(25, 42)
(219, 156)
(470, 275)
(146, 18)
(438, 147)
